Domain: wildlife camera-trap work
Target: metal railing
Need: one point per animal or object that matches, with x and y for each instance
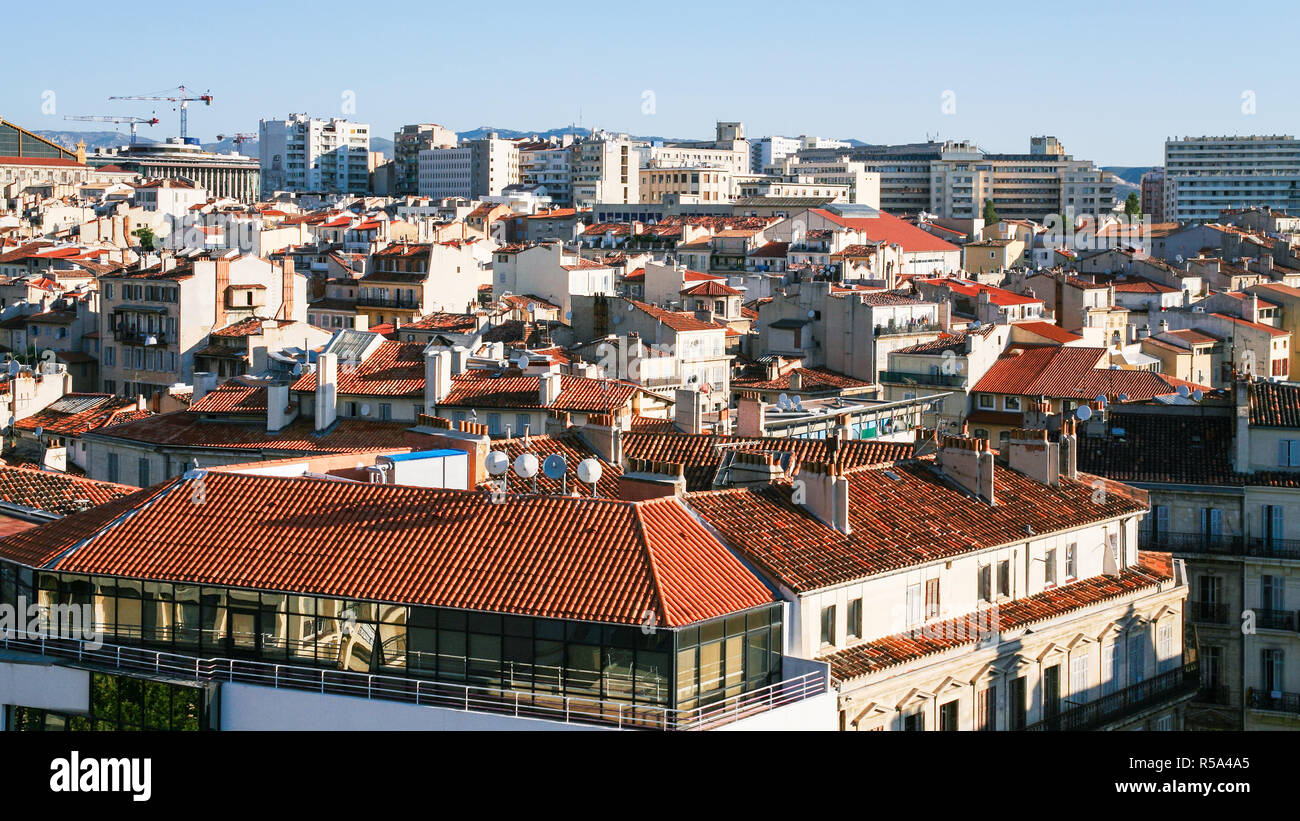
(1275, 619)
(1279, 702)
(422, 692)
(1121, 703)
(1208, 612)
(1191, 542)
(940, 379)
(1219, 694)
(388, 302)
(1273, 548)
(139, 337)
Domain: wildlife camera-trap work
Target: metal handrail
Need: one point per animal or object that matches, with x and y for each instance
(422, 692)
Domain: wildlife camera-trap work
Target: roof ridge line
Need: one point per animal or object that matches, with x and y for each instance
(144, 503)
(653, 568)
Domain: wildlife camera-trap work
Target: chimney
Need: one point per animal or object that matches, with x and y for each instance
(1241, 441)
(796, 381)
(548, 388)
(459, 359)
(1250, 308)
(278, 410)
(327, 380)
(222, 282)
(437, 378)
(1031, 453)
(824, 493)
(604, 436)
(1069, 443)
(969, 464)
(204, 382)
(646, 479)
(687, 413)
(750, 413)
(286, 288)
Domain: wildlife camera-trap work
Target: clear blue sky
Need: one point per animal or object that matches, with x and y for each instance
(1110, 79)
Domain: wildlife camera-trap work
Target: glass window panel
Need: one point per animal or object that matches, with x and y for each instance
(548, 669)
(485, 658)
(392, 644)
(687, 678)
(549, 629)
(582, 676)
(756, 657)
(517, 626)
(618, 673)
(652, 670)
(485, 623)
(451, 654)
(735, 664)
(711, 631)
(306, 605)
(736, 625)
(422, 649)
(452, 619)
(423, 617)
(758, 618)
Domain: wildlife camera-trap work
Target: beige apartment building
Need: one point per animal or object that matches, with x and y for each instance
(155, 319)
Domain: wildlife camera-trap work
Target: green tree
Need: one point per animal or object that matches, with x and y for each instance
(1133, 205)
(147, 237)
(990, 213)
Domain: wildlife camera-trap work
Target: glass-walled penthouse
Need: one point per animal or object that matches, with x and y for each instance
(665, 667)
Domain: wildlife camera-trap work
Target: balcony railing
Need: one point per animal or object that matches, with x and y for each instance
(906, 328)
(1279, 702)
(424, 692)
(1191, 542)
(1275, 619)
(134, 336)
(1208, 612)
(1126, 702)
(1219, 694)
(1273, 548)
(389, 302)
(937, 379)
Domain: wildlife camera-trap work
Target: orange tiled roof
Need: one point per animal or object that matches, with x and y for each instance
(76, 413)
(394, 369)
(1070, 373)
(55, 492)
(477, 389)
(811, 379)
(232, 397)
(546, 556)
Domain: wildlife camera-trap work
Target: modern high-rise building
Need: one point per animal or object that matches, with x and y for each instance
(408, 142)
(1207, 175)
(605, 169)
(305, 153)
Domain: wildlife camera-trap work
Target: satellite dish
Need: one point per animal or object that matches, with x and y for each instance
(589, 471)
(297, 369)
(1123, 397)
(14, 367)
(151, 340)
(1183, 391)
(783, 401)
(1101, 400)
(568, 315)
(1198, 394)
(497, 463)
(554, 466)
(526, 465)
(532, 306)
(1084, 413)
(618, 319)
(631, 307)
(811, 313)
(521, 361)
(39, 430)
(365, 410)
(975, 323)
(798, 403)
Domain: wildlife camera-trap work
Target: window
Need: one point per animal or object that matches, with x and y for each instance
(855, 619)
(828, 625)
(1271, 679)
(1071, 562)
(1288, 453)
(914, 722)
(948, 716)
(112, 467)
(1211, 524)
(1159, 522)
(932, 598)
(385, 411)
(1137, 657)
(1016, 704)
(1271, 524)
(1049, 568)
(494, 424)
(986, 583)
(1110, 671)
(986, 401)
(1004, 578)
(1165, 646)
(1211, 661)
(1011, 403)
(1078, 677)
(522, 424)
(1271, 593)
(142, 467)
(913, 604)
(987, 708)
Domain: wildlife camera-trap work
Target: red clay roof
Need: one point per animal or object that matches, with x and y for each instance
(711, 288)
(811, 379)
(546, 556)
(394, 369)
(870, 657)
(1070, 373)
(191, 430)
(476, 389)
(890, 229)
(76, 413)
(233, 397)
(898, 522)
(1274, 405)
(1047, 330)
(55, 492)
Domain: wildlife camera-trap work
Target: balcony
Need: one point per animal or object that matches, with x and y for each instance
(1208, 612)
(1219, 694)
(134, 336)
(943, 380)
(389, 302)
(1275, 619)
(1125, 703)
(906, 328)
(1276, 701)
(1202, 543)
(1273, 548)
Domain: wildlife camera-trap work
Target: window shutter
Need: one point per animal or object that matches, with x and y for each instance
(1276, 513)
(1283, 452)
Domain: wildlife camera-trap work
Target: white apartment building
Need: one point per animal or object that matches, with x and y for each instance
(771, 150)
(604, 169)
(305, 153)
(551, 272)
(408, 142)
(549, 163)
(729, 150)
(1206, 175)
(472, 169)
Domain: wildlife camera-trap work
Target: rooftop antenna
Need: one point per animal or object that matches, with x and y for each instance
(556, 467)
(589, 471)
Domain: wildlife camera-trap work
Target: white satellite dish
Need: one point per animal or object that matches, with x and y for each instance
(365, 410)
(39, 430)
(1101, 400)
(526, 465)
(783, 401)
(498, 462)
(631, 307)
(1198, 394)
(554, 466)
(589, 471)
(1183, 391)
(532, 306)
(1123, 397)
(798, 403)
(812, 314)
(521, 361)
(1084, 413)
(568, 315)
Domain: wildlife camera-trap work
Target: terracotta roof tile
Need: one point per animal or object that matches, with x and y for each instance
(394, 369)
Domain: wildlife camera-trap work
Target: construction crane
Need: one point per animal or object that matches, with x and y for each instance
(236, 139)
(184, 98)
(134, 121)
